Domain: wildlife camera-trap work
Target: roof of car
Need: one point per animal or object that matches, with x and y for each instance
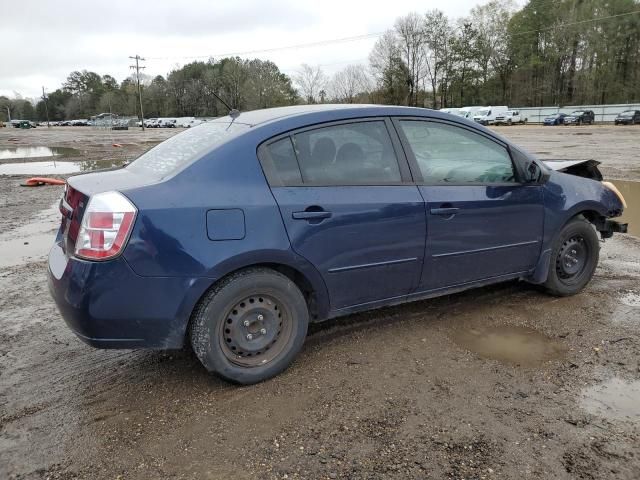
(256, 117)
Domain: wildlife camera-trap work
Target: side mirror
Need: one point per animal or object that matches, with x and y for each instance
(533, 173)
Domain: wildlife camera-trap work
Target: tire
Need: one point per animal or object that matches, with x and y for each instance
(250, 326)
(574, 258)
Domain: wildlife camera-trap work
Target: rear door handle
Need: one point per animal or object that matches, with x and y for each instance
(313, 215)
(446, 211)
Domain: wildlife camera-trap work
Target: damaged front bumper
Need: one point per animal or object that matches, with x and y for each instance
(608, 227)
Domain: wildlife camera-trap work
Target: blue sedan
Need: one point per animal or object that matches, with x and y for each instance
(555, 119)
(234, 235)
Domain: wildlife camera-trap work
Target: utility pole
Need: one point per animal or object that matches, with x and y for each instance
(46, 108)
(137, 68)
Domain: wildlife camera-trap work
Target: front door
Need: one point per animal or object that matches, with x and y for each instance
(349, 209)
(482, 223)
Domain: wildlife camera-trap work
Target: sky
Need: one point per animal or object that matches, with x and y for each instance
(44, 40)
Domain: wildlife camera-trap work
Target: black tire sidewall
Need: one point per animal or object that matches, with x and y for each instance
(582, 227)
(205, 332)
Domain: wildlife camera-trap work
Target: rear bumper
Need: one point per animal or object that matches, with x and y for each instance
(107, 305)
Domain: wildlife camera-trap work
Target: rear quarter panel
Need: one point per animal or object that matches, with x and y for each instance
(170, 235)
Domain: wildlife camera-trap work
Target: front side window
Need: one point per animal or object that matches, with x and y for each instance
(359, 153)
(447, 154)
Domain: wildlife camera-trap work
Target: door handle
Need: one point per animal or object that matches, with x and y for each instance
(312, 215)
(445, 211)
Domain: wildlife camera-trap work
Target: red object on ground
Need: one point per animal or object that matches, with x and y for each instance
(117, 145)
(39, 181)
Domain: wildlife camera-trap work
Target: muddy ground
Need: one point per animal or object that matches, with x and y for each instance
(502, 382)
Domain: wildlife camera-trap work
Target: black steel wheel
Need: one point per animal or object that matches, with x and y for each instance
(574, 258)
(250, 326)
(255, 331)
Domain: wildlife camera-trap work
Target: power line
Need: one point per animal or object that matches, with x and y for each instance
(560, 25)
(285, 47)
(137, 68)
(368, 36)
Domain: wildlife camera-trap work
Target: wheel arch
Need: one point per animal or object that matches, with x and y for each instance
(541, 271)
(298, 270)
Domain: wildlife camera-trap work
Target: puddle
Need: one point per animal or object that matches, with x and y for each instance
(631, 299)
(510, 344)
(615, 399)
(8, 153)
(56, 167)
(30, 241)
(631, 193)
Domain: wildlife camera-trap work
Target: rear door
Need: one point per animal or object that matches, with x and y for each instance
(481, 222)
(349, 207)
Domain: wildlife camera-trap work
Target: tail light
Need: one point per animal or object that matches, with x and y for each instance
(106, 225)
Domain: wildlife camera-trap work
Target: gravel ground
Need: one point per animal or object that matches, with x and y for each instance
(500, 382)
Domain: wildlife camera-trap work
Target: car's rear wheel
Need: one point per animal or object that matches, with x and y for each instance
(573, 259)
(250, 326)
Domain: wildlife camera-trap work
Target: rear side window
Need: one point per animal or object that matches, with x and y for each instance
(357, 153)
(176, 152)
(447, 154)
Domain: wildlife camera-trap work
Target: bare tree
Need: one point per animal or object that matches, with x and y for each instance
(438, 58)
(412, 41)
(311, 81)
(348, 83)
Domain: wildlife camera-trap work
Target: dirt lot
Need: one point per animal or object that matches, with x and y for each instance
(502, 382)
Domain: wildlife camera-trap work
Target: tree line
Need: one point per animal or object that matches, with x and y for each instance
(549, 52)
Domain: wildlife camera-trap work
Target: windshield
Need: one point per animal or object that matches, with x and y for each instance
(628, 112)
(176, 152)
(577, 112)
(484, 112)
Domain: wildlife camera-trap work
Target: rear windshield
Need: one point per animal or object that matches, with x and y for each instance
(179, 150)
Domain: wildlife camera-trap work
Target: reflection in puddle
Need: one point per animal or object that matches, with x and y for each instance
(7, 153)
(631, 193)
(59, 167)
(510, 344)
(614, 399)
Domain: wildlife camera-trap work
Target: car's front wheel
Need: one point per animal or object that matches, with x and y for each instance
(250, 326)
(573, 259)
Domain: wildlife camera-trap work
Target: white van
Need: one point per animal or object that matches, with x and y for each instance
(487, 115)
(468, 112)
(452, 111)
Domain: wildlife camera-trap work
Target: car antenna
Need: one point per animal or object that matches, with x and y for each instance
(233, 113)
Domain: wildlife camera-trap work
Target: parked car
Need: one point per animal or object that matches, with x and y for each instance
(511, 117)
(167, 123)
(580, 117)
(555, 119)
(148, 123)
(192, 123)
(227, 237)
(487, 116)
(628, 117)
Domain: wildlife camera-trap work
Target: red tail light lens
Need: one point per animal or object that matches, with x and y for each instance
(106, 225)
